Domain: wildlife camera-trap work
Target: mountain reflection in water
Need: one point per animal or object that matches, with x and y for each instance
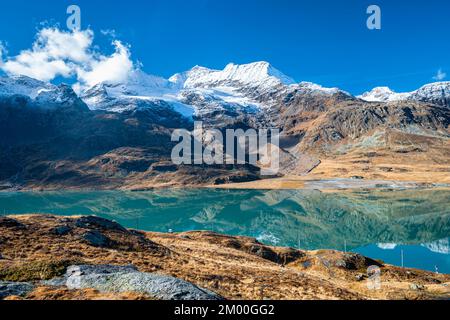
(381, 224)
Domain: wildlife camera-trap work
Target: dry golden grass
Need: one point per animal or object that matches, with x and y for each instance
(235, 267)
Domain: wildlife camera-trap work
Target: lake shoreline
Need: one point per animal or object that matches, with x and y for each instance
(242, 267)
(283, 183)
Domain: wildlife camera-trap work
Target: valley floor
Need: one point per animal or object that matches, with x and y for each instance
(351, 173)
(40, 247)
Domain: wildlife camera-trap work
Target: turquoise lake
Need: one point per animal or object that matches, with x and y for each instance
(412, 226)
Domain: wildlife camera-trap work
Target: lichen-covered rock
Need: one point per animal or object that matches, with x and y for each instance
(20, 289)
(113, 279)
(99, 269)
(87, 270)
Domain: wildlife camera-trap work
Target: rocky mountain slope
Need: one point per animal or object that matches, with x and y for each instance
(118, 134)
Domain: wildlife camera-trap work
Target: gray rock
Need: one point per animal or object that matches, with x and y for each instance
(99, 269)
(61, 230)
(55, 282)
(416, 287)
(113, 279)
(96, 239)
(83, 270)
(11, 223)
(92, 222)
(8, 289)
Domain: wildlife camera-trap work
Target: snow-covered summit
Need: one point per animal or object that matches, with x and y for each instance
(224, 87)
(437, 92)
(138, 91)
(138, 85)
(257, 74)
(41, 94)
(22, 85)
(434, 92)
(245, 86)
(383, 94)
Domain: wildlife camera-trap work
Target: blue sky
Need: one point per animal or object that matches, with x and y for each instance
(326, 42)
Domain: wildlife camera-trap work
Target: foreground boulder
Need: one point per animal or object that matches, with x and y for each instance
(6, 222)
(96, 239)
(121, 279)
(8, 289)
(93, 222)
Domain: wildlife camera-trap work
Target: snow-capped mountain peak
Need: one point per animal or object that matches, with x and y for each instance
(138, 86)
(40, 94)
(314, 88)
(255, 74)
(436, 92)
(225, 89)
(383, 94)
(186, 79)
(23, 85)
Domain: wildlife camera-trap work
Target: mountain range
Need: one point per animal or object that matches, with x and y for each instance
(118, 135)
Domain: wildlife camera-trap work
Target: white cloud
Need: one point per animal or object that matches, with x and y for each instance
(114, 68)
(53, 54)
(69, 54)
(37, 65)
(440, 75)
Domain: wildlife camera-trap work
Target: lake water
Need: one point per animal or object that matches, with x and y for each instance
(412, 226)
